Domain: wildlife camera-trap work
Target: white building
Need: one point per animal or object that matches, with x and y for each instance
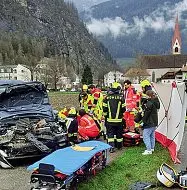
(42, 73)
(64, 83)
(158, 65)
(135, 75)
(77, 80)
(113, 76)
(179, 76)
(15, 72)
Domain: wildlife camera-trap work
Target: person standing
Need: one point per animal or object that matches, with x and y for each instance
(86, 102)
(150, 121)
(131, 105)
(84, 90)
(97, 106)
(114, 107)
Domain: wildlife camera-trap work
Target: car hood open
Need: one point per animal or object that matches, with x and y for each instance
(20, 99)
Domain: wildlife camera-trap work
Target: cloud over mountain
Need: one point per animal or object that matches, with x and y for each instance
(162, 19)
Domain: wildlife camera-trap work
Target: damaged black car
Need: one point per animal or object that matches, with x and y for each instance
(29, 126)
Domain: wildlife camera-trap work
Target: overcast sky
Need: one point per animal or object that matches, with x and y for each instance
(85, 4)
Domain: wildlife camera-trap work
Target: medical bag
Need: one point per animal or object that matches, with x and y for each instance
(131, 139)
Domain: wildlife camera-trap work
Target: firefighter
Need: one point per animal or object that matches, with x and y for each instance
(97, 106)
(84, 90)
(87, 127)
(86, 102)
(130, 97)
(114, 107)
(72, 125)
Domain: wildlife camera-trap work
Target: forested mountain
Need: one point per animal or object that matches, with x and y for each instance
(33, 29)
(130, 27)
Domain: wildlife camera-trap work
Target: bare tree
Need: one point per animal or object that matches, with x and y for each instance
(56, 66)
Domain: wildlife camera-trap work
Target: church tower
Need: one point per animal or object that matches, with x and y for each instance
(176, 41)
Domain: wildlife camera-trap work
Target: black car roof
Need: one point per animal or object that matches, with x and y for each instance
(17, 82)
(11, 82)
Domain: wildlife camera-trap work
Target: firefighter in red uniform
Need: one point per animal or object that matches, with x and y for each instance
(130, 97)
(87, 127)
(114, 107)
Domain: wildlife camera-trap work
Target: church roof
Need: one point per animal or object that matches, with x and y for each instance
(134, 72)
(177, 34)
(168, 75)
(163, 61)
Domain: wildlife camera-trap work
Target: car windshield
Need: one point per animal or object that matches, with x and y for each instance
(29, 94)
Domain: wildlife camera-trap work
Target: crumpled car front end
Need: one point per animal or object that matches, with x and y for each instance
(28, 126)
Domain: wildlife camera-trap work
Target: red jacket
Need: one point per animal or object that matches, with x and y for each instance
(130, 98)
(88, 127)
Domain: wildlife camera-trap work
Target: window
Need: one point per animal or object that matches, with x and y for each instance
(9, 70)
(14, 71)
(176, 50)
(15, 78)
(2, 70)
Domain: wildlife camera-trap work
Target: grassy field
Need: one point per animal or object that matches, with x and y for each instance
(130, 167)
(60, 99)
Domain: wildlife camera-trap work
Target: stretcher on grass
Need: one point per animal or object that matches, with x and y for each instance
(65, 167)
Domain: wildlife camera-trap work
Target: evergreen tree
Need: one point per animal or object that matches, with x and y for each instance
(87, 77)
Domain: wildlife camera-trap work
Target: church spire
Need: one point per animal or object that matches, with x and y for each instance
(176, 41)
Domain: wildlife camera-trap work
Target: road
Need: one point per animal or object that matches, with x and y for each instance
(14, 179)
(19, 178)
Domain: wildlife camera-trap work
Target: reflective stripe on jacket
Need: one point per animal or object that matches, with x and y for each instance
(113, 107)
(130, 99)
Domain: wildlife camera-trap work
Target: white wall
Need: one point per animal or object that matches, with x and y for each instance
(110, 77)
(23, 73)
(159, 72)
(19, 72)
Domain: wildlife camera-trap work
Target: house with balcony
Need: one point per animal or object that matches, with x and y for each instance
(172, 75)
(15, 72)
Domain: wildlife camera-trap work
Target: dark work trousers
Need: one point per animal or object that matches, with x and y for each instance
(115, 134)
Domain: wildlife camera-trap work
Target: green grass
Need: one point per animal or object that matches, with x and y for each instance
(129, 168)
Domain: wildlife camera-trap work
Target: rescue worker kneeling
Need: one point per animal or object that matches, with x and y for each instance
(87, 127)
(114, 107)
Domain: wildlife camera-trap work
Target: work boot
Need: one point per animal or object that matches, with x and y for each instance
(119, 145)
(112, 150)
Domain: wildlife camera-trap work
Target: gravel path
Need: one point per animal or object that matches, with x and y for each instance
(14, 179)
